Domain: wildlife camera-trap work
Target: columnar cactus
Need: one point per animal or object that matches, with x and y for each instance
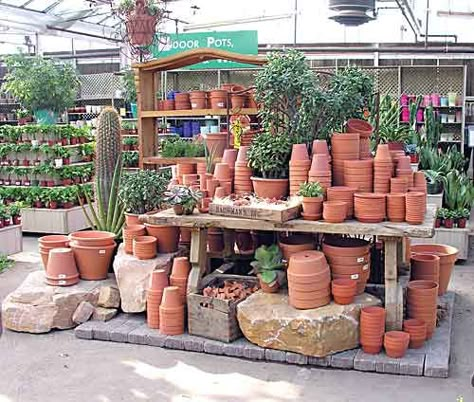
(108, 152)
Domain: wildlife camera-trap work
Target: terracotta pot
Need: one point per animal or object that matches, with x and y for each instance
(343, 194)
(419, 179)
(334, 211)
(415, 208)
(211, 185)
(153, 309)
(218, 98)
(166, 236)
(168, 104)
(144, 247)
(422, 303)
(220, 192)
(268, 287)
(320, 147)
(362, 127)
(93, 262)
(320, 163)
(181, 267)
(313, 205)
(158, 280)
(53, 241)
(270, 188)
(171, 297)
(222, 171)
(417, 330)
(396, 207)
(182, 285)
(61, 269)
(345, 143)
(216, 143)
(372, 328)
(345, 247)
(230, 157)
(447, 257)
(93, 238)
(215, 240)
(244, 241)
(129, 233)
(295, 243)
(238, 101)
(425, 267)
(383, 153)
(343, 290)
(299, 152)
(370, 207)
(396, 343)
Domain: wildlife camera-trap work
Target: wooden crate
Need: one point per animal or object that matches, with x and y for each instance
(262, 213)
(215, 318)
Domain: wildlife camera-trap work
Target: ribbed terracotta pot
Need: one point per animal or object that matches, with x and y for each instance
(166, 236)
(422, 297)
(415, 205)
(158, 280)
(372, 328)
(294, 243)
(93, 238)
(153, 300)
(144, 247)
(131, 219)
(93, 262)
(343, 290)
(129, 233)
(396, 343)
(417, 330)
(396, 207)
(370, 207)
(364, 128)
(425, 267)
(447, 258)
(61, 269)
(334, 211)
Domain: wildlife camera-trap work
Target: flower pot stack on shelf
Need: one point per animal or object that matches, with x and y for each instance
(365, 130)
(372, 329)
(129, 233)
(343, 194)
(345, 147)
(157, 283)
(359, 174)
(179, 275)
(370, 207)
(383, 169)
(242, 182)
(299, 167)
(320, 167)
(171, 309)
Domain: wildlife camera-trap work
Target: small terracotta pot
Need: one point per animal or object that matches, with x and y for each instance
(422, 303)
(313, 205)
(417, 330)
(299, 152)
(268, 287)
(158, 280)
(270, 188)
(362, 127)
(129, 233)
(425, 267)
(419, 179)
(334, 211)
(93, 238)
(320, 163)
(383, 153)
(93, 262)
(396, 343)
(166, 236)
(343, 290)
(171, 297)
(131, 219)
(181, 267)
(144, 247)
(211, 185)
(215, 241)
(61, 269)
(320, 147)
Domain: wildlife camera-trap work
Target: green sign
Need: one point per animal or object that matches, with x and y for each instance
(242, 42)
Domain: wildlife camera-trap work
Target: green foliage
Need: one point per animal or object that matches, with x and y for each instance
(15, 208)
(269, 155)
(130, 90)
(431, 132)
(441, 213)
(126, 7)
(177, 148)
(268, 260)
(311, 190)
(143, 191)
(130, 159)
(5, 263)
(458, 191)
(40, 83)
(130, 141)
(184, 196)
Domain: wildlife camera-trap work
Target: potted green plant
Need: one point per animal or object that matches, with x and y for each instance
(87, 151)
(3, 214)
(312, 194)
(52, 198)
(130, 91)
(268, 266)
(448, 221)
(35, 197)
(434, 183)
(141, 17)
(15, 211)
(269, 157)
(183, 199)
(463, 217)
(42, 85)
(22, 114)
(440, 215)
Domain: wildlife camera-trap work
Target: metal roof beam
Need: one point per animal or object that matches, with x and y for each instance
(52, 6)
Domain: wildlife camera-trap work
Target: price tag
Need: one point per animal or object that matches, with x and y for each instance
(365, 267)
(360, 259)
(101, 252)
(355, 276)
(61, 276)
(61, 283)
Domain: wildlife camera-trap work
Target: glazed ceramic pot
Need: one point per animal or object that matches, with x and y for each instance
(417, 330)
(343, 290)
(270, 188)
(447, 257)
(422, 303)
(295, 243)
(144, 247)
(425, 267)
(396, 343)
(167, 237)
(61, 269)
(93, 238)
(334, 211)
(93, 262)
(129, 233)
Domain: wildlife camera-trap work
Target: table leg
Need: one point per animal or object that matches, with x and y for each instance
(393, 292)
(197, 258)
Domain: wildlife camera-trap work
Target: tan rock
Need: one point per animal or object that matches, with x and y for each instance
(132, 277)
(36, 307)
(104, 314)
(269, 321)
(109, 297)
(83, 312)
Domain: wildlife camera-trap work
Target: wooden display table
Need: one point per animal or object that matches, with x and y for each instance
(391, 234)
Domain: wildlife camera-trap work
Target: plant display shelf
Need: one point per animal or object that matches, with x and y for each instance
(158, 160)
(195, 112)
(390, 233)
(11, 239)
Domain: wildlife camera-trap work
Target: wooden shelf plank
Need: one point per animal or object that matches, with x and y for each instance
(158, 160)
(194, 112)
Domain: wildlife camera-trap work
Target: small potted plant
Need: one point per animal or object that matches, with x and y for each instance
(22, 114)
(312, 194)
(87, 152)
(449, 219)
(5, 215)
(434, 183)
(440, 215)
(412, 151)
(15, 211)
(182, 199)
(53, 197)
(268, 266)
(462, 217)
(141, 18)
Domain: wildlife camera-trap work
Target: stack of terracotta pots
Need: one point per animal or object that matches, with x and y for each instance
(182, 101)
(171, 312)
(129, 233)
(425, 267)
(216, 143)
(185, 236)
(230, 157)
(198, 99)
(168, 104)
(179, 275)
(417, 330)
(398, 185)
(158, 281)
(223, 173)
(359, 175)
(383, 169)
(238, 101)
(295, 243)
(242, 182)
(415, 206)
(372, 329)
(218, 99)
(447, 257)
(396, 343)
(309, 280)
(184, 168)
(365, 130)
(61, 269)
(144, 247)
(404, 169)
(201, 168)
(47, 243)
(211, 185)
(422, 297)
(215, 240)
(167, 237)
(344, 194)
(370, 207)
(320, 147)
(334, 211)
(419, 181)
(345, 147)
(320, 171)
(343, 290)
(221, 192)
(299, 167)
(247, 137)
(348, 259)
(93, 251)
(190, 179)
(396, 207)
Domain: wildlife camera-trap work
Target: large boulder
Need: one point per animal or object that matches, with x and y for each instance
(268, 320)
(132, 277)
(36, 307)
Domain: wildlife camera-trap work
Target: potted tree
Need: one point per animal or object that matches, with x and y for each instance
(42, 85)
(268, 266)
(312, 194)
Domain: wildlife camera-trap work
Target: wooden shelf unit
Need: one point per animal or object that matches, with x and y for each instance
(195, 112)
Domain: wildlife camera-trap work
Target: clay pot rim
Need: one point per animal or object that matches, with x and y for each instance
(52, 239)
(373, 311)
(74, 245)
(343, 283)
(422, 257)
(397, 336)
(422, 285)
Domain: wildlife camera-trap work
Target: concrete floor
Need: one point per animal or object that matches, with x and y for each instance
(59, 367)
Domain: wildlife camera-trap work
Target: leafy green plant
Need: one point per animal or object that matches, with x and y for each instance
(127, 7)
(269, 155)
(177, 148)
(5, 262)
(268, 261)
(40, 83)
(183, 197)
(458, 191)
(130, 90)
(431, 132)
(441, 213)
(130, 159)
(312, 190)
(15, 208)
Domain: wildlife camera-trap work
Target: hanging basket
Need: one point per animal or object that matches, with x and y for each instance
(141, 29)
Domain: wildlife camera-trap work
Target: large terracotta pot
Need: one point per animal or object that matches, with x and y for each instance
(166, 236)
(417, 330)
(294, 243)
(396, 343)
(93, 262)
(61, 269)
(422, 303)
(216, 143)
(270, 188)
(447, 257)
(93, 238)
